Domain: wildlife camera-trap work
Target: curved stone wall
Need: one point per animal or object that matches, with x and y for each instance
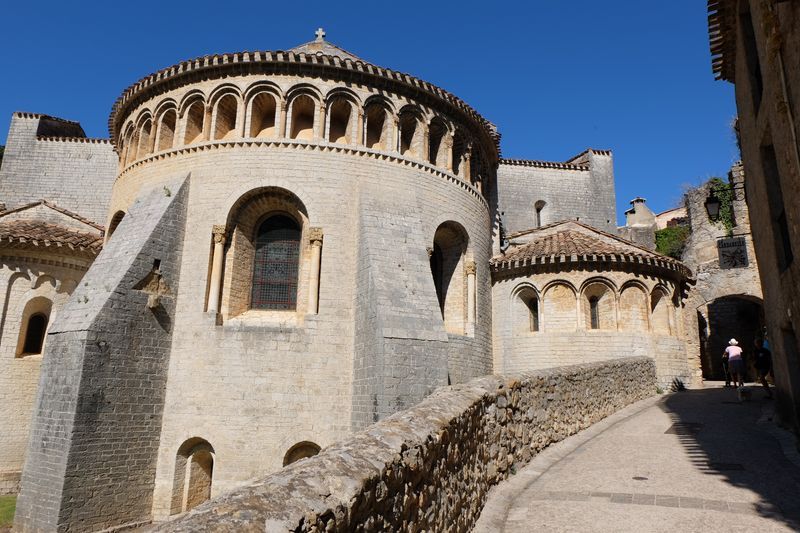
(430, 466)
(635, 314)
(373, 330)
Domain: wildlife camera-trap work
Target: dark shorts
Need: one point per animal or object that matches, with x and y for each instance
(736, 366)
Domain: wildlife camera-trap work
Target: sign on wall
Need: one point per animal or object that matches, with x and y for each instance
(732, 252)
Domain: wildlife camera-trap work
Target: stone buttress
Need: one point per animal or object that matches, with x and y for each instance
(92, 452)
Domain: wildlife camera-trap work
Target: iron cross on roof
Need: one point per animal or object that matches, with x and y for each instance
(320, 33)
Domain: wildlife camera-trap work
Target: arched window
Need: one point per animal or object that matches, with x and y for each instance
(410, 133)
(194, 471)
(340, 121)
(277, 258)
(194, 117)
(262, 115)
(166, 130)
(115, 221)
(33, 326)
(436, 134)
(225, 112)
(129, 146)
(34, 334)
(460, 160)
(377, 128)
(449, 279)
(303, 111)
(301, 450)
(144, 139)
(539, 207)
(526, 311)
(600, 309)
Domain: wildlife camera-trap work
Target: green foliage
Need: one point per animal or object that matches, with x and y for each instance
(8, 504)
(672, 240)
(724, 191)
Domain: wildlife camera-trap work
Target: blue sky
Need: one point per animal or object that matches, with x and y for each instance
(556, 77)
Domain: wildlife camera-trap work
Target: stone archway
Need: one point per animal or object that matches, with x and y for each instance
(736, 316)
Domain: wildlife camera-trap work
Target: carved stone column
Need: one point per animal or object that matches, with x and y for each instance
(282, 114)
(470, 268)
(315, 236)
(216, 268)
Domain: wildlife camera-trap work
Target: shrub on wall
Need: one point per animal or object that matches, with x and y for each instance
(724, 191)
(671, 241)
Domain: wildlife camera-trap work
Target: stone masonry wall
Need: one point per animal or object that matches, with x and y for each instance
(582, 191)
(75, 173)
(95, 434)
(429, 468)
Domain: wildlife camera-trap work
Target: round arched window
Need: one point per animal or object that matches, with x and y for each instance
(34, 335)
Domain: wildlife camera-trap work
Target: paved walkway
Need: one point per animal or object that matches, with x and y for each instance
(696, 460)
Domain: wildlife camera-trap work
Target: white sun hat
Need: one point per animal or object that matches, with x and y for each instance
(733, 342)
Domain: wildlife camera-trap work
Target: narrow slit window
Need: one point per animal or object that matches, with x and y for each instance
(594, 310)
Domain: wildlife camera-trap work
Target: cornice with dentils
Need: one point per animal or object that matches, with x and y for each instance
(314, 63)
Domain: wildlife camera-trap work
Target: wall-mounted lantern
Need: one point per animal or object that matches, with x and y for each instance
(713, 204)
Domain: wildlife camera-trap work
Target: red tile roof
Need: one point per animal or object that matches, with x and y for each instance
(43, 234)
(571, 241)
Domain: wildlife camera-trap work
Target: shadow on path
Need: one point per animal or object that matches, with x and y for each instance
(723, 437)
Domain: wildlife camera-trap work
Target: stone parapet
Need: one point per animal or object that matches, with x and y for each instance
(430, 467)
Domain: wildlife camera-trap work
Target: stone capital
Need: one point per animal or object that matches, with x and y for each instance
(219, 230)
(315, 235)
(470, 267)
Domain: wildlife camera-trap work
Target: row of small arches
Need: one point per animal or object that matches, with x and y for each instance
(263, 112)
(596, 305)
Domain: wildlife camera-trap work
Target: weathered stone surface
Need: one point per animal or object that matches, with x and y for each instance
(92, 452)
(429, 468)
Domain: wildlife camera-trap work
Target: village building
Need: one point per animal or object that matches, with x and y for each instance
(755, 46)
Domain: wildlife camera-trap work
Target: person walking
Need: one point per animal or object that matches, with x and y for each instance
(763, 364)
(735, 362)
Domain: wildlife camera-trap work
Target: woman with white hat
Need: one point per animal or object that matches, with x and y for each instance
(735, 362)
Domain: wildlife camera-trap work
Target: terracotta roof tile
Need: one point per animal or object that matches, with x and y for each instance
(38, 233)
(584, 242)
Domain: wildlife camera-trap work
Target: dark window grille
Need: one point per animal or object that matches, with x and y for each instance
(277, 257)
(34, 335)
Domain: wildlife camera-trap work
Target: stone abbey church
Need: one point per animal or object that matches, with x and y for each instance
(276, 249)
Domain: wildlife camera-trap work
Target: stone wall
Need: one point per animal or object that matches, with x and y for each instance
(627, 324)
(582, 190)
(429, 467)
(58, 164)
(705, 340)
(91, 457)
(766, 64)
(26, 276)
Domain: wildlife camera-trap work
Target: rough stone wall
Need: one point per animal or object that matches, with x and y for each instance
(627, 327)
(702, 256)
(768, 127)
(583, 191)
(23, 277)
(92, 452)
(73, 172)
(430, 467)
